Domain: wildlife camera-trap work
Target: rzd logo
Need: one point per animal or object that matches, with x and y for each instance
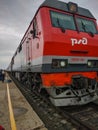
(81, 41)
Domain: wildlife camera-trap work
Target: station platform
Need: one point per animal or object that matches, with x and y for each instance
(15, 111)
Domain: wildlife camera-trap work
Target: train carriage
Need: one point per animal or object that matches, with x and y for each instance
(58, 53)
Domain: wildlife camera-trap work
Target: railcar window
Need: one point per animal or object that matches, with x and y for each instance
(61, 20)
(85, 25)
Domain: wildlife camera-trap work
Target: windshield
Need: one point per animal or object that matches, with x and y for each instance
(62, 20)
(65, 21)
(85, 25)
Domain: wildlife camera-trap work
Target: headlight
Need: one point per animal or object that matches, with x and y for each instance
(63, 63)
(55, 64)
(92, 63)
(89, 63)
(58, 63)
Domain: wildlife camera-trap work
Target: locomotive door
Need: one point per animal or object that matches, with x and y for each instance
(28, 52)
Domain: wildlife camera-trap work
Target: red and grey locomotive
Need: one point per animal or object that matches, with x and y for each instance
(59, 53)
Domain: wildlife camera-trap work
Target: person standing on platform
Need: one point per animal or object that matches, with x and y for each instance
(3, 75)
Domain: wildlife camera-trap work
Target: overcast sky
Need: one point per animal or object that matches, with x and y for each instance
(15, 16)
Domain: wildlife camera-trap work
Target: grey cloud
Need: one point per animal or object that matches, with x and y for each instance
(6, 53)
(4, 60)
(9, 44)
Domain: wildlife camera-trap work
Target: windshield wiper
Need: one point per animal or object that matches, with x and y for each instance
(61, 27)
(86, 30)
(83, 26)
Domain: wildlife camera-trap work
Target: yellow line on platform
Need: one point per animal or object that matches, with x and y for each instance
(12, 120)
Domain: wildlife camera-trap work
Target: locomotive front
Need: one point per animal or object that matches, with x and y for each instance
(59, 53)
(70, 57)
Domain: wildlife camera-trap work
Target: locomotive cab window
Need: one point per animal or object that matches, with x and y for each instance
(85, 25)
(35, 28)
(61, 20)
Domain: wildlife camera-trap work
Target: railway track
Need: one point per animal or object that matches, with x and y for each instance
(86, 115)
(61, 118)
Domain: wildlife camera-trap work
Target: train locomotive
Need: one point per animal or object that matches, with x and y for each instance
(59, 54)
